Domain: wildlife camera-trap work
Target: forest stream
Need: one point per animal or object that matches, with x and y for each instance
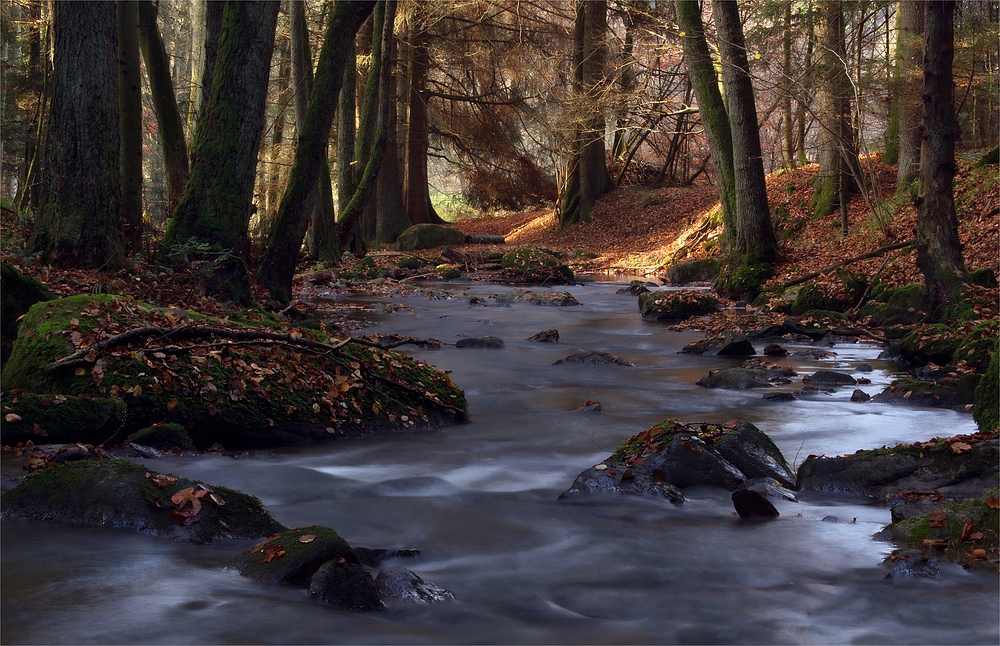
(479, 500)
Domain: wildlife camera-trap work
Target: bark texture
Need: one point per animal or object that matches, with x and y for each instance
(416, 185)
(908, 107)
(81, 185)
(939, 252)
(130, 108)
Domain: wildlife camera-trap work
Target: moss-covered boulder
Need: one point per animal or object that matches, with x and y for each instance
(811, 297)
(428, 236)
(895, 305)
(735, 379)
(987, 409)
(933, 343)
(704, 270)
(943, 393)
(56, 419)
(531, 265)
(224, 382)
(293, 556)
(164, 437)
(682, 455)
(552, 299)
(116, 493)
(670, 306)
(346, 586)
(960, 467)
(17, 293)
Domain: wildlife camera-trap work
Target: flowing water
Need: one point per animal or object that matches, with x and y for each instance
(479, 501)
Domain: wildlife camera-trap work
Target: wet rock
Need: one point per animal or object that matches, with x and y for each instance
(958, 472)
(775, 350)
(860, 396)
(491, 342)
(345, 585)
(831, 378)
(375, 556)
(536, 265)
(614, 476)
(806, 327)
(428, 236)
(164, 437)
(774, 371)
(676, 305)
(401, 584)
(779, 397)
(591, 406)
(768, 487)
(830, 519)
(636, 287)
(864, 381)
(729, 344)
(735, 379)
(554, 299)
(813, 390)
(545, 336)
(864, 367)
(943, 394)
(914, 563)
(302, 552)
(116, 493)
(704, 270)
(596, 358)
(751, 505)
(814, 354)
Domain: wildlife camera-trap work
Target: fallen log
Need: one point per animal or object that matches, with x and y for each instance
(864, 256)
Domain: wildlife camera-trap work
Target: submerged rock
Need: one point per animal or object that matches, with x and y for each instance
(345, 585)
(400, 584)
(116, 493)
(595, 357)
(293, 556)
(480, 342)
(735, 379)
(831, 378)
(545, 336)
(729, 344)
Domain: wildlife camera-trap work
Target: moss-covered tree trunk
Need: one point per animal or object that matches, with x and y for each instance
(939, 252)
(130, 108)
(752, 239)
(278, 266)
(215, 207)
(168, 116)
(76, 225)
(390, 219)
(903, 145)
(711, 107)
(588, 177)
(839, 171)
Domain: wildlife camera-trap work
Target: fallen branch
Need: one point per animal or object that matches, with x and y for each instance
(864, 256)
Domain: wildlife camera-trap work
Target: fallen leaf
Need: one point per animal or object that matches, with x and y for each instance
(993, 502)
(936, 542)
(38, 430)
(79, 372)
(937, 519)
(307, 538)
(960, 447)
(12, 418)
(979, 554)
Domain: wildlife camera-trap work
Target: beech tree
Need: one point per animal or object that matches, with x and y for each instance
(130, 123)
(76, 224)
(939, 252)
(215, 208)
(903, 145)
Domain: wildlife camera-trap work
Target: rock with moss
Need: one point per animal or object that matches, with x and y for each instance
(635, 288)
(57, 419)
(533, 265)
(346, 586)
(934, 343)
(597, 358)
(164, 437)
(116, 493)
(683, 455)
(831, 378)
(17, 293)
(942, 393)
(978, 346)
(960, 467)
(811, 297)
(987, 407)
(242, 391)
(292, 556)
(744, 281)
(553, 299)
(671, 306)
(894, 305)
(693, 271)
(428, 236)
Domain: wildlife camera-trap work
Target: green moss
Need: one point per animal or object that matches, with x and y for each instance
(411, 262)
(810, 297)
(528, 260)
(743, 282)
(164, 437)
(61, 420)
(824, 198)
(17, 294)
(987, 408)
(305, 550)
(978, 347)
(960, 519)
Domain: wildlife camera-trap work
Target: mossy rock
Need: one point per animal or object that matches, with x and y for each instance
(984, 277)
(57, 419)
(17, 293)
(364, 269)
(305, 550)
(944, 394)
(935, 343)
(704, 270)
(428, 236)
(164, 437)
(979, 346)
(531, 262)
(346, 586)
(232, 396)
(117, 493)
(744, 281)
(811, 297)
(987, 409)
(411, 262)
(676, 305)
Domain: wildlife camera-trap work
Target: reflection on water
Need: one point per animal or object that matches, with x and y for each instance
(479, 501)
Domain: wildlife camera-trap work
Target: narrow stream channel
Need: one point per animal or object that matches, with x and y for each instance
(479, 501)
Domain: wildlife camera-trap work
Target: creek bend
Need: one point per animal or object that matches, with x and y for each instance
(479, 501)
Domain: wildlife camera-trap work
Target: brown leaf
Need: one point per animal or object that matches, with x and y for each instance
(937, 519)
(307, 538)
(12, 418)
(935, 542)
(38, 430)
(979, 554)
(967, 529)
(172, 404)
(993, 502)
(960, 447)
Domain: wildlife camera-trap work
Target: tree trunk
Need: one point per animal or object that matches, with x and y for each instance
(588, 176)
(711, 107)
(907, 105)
(278, 267)
(275, 169)
(752, 239)
(787, 118)
(198, 17)
(168, 116)
(81, 192)
(416, 186)
(802, 102)
(390, 219)
(838, 157)
(130, 108)
(213, 28)
(939, 252)
(216, 205)
(347, 111)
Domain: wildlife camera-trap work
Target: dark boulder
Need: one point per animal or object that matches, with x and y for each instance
(831, 378)
(116, 493)
(704, 270)
(18, 293)
(532, 265)
(751, 505)
(57, 419)
(614, 476)
(636, 287)
(596, 358)
(813, 354)
(345, 585)
(775, 350)
(398, 583)
(545, 336)
(427, 236)
(293, 556)
(554, 299)
(375, 556)
(729, 344)
(491, 342)
(164, 437)
(943, 393)
(770, 488)
(860, 396)
(735, 379)
(664, 306)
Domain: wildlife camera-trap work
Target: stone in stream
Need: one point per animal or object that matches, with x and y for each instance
(480, 342)
(594, 357)
(400, 584)
(345, 585)
(751, 505)
(775, 350)
(545, 336)
(830, 378)
(735, 379)
(670, 306)
(293, 556)
(860, 396)
(635, 288)
(729, 344)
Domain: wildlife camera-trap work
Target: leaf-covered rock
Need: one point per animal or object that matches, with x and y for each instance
(730, 344)
(676, 305)
(293, 556)
(735, 379)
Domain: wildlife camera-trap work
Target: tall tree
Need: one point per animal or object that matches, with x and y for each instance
(390, 210)
(130, 109)
(76, 225)
(839, 170)
(216, 205)
(282, 253)
(588, 176)
(903, 146)
(751, 240)
(939, 252)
